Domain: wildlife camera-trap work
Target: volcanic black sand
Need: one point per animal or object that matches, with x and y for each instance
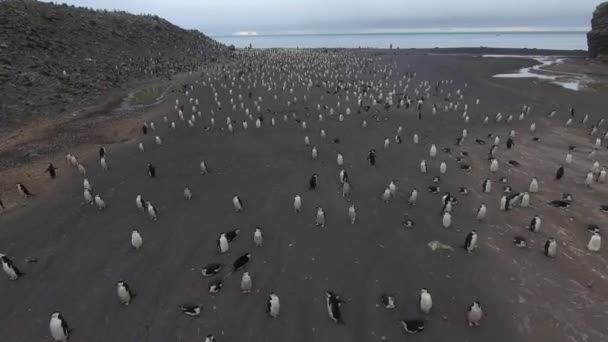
(82, 252)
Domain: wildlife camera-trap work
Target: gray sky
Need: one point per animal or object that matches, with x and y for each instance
(216, 17)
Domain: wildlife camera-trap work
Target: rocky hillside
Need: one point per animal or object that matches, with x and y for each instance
(597, 38)
(53, 57)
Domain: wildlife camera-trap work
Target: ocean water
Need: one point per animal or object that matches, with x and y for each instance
(538, 40)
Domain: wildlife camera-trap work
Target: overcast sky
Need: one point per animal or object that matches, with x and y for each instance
(217, 17)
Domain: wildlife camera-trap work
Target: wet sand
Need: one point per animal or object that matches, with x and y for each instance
(526, 296)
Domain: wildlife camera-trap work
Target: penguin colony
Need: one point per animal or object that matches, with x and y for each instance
(372, 102)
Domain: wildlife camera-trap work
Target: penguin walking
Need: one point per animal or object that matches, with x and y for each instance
(474, 314)
(340, 159)
(101, 204)
(320, 219)
(386, 195)
(447, 220)
(274, 305)
(140, 203)
(203, 167)
(343, 176)
(352, 214)
(81, 169)
(426, 301)
(136, 239)
(333, 303)
(258, 239)
(246, 283)
(560, 173)
(151, 170)
(104, 164)
(187, 193)
(151, 211)
(87, 185)
(23, 190)
(241, 262)
(371, 157)
(533, 188)
(297, 203)
(481, 212)
(124, 292)
(158, 140)
(60, 331)
(486, 186)
(535, 224)
(51, 169)
(144, 128)
(551, 248)
(392, 187)
(11, 271)
(589, 179)
(504, 204)
(223, 244)
(595, 242)
(471, 241)
(345, 189)
(413, 197)
(312, 183)
(237, 203)
(314, 153)
(88, 197)
(423, 166)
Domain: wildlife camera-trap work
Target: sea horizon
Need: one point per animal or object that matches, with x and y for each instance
(548, 39)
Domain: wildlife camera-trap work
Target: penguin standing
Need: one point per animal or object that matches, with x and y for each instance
(560, 173)
(494, 165)
(535, 224)
(487, 185)
(140, 203)
(320, 219)
(124, 292)
(144, 128)
(314, 153)
(51, 170)
(433, 151)
(87, 185)
(352, 214)
(471, 241)
(23, 190)
(333, 303)
(443, 168)
(413, 197)
(481, 212)
(151, 211)
(551, 248)
(136, 239)
(423, 166)
(88, 198)
(11, 271)
(274, 305)
(371, 157)
(340, 159)
(345, 189)
(447, 220)
(589, 179)
(525, 200)
(343, 176)
(104, 164)
(386, 195)
(187, 193)
(60, 331)
(246, 283)
(102, 152)
(595, 242)
(222, 243)
(474, 314)
(510, 143)
(312, 183)
(297, 203)
(533, 185)
(504, 204)
(101, 204)
(237, 203)
(257, 237)
(151, 170)
(426, 301)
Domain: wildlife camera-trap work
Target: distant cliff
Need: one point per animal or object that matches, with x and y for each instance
(54, 57)
(597, 38)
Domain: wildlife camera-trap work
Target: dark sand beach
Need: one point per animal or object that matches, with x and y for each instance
(525, 295)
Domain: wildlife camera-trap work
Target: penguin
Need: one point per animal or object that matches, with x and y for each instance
(140, 203)
(60, 331)
(210, 338)
(190, 309)
(11, 271)
(151, 169)
(136, 239)
(494, 165)
(520, 242)
(595, 242)
(392, 187)
(551, 248)
(426, 301)
(436, 179)
(340, 159)
(81, 169)
(589, 179)
(443, 168)
(203, 167)
(274, 305)
(413, 197)
(51, 170)
(504, 204)
(297, 202)
(447, 220)
(535, 224)
(87, 185)
(212, 269)
(333, 303)
(101, 205)
(312, 183)
(104, 164)
(471, 241)
(560, 173)
(415, 138)
(525, 200)
(474, 314)
(386, 195)
(343, 175)
(257, 237)
(124, 292)
(413, 326)
(241, 262)
(568, 158)
(533, 185)
(23, 190)
(371, 157)
(158, 140)
(320, 219)
(232, 234)
(222, 243)
(387, 143)
(352, 214)
(463, 190)
(314, 153)
(481, 212)
(601, 178)
(1, 204)
(423, 166)
(388, 301)
(345, 189)
(215, 286)
(433, 151)
(88, 197)
(246, 283)
(434, 189)
(237, 203)
(486, 186)
(187, 193)
(144, 128)
(151, 211)
(510, 143)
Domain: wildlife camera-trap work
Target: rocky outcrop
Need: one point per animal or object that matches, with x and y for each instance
(55, 57)
(597, 38)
